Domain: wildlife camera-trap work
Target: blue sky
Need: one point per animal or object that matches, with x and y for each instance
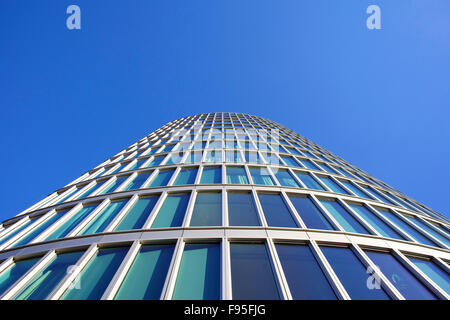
(72, 98)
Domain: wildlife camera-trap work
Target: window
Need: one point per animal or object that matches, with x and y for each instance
(138, 214)
(355, 189)
(214, 156)
(199, 273)
(276, 212)
(261, 175)
(343, 217)
(305, 278)
(17, 230)
(430, 230)
(310, 214)
(186, 176)
(251, 272)
(308, 164)
(242, 210)
(408, 285)
(162, 179)
(15, 272)
(156, 161)
(91, 189)
(207, 210)
(236, 175)
(233, 156)
(309, 181)
(211, 175)
(290, 161)
(332, 185)
(104, 218)
(434, 272)
(146, 276)
(96, 276)
(46, 280)
(285, 178)
(114, 185)
(172, 211)
(352, 274)
(72, 222)
(138, 181)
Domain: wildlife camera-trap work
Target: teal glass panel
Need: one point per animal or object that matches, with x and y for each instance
(251, 273)
(39, 229)
(91, 190)
(276, 212)
(405, 282)
(236, 175)
(137, 164)
(97, 275)
(343, 217)
(114, 185)
(355, 189)
(285, 178)
(211, 175)
(293, 151)
(413, 233)
(290, 161)
(194, 157)
(207, 210)
(138, 181)
(242, 210)
(146, 277)
(172, 211)
(376, 223)
(434, 272)
(310, 214)
(186, 176)
(261, 176)
(213, 156)
(430, 230)
(305, 277)
(15, 272)
(309, 181)
(67, 196)
(233, 156)
(104, 218)
(175, 158)
(71, 223)
(156, 161)
(352, 274)
(332, 185)
(328, 169)
(308, 164)
(199, 274)
(11, 234)
(138, 214)
(252, 157)
(162, 179)
(45, 281)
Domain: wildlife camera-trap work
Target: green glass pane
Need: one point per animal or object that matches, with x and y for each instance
(17, 230)
(45, 281)
(138, 181)
(146, 277)
(186, 176)
(211, 176)
(207, 210)
(172, 212)
(15, 272)
(236, 175)
(138, 214)
(199, 273)
(97, 275)
(104, 218)
(434, 272)
(161, 179)
(261, 176)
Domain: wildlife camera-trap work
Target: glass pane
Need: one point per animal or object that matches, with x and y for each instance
(413, 233)
(207, 210)
(91, 190)
(66, 196)
(242, 210)
(261, 176)
(305, 277)
(332, 185)
(146, 277)
(104, 218)
(276, 212)
(97, 275)
(236, 175)
(434, 272)
(400, 277)
(430, 230)
(286, 179)
(156, 161)
(17, 230)
(172, 212)
(211, 176)
(343, 217)
(214, 156)
(308, 164)
(251, 273)
(114, 185)
(352, 274)
(376, 223)
(39, 229)
(138, 214)
(310, 214)
(186, 176)
(309, 181)
(45, 281)
(161, 179)
(73, 221)
(138, 181)
(233, 156)
(15, 272)
(290, 161)
(199, 273)
(355, 189)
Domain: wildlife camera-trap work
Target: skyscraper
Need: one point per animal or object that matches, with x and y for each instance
(225, 206)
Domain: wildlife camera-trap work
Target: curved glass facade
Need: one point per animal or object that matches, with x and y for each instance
(225, 206)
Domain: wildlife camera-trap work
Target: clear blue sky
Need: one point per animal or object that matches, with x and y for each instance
(71, 99)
